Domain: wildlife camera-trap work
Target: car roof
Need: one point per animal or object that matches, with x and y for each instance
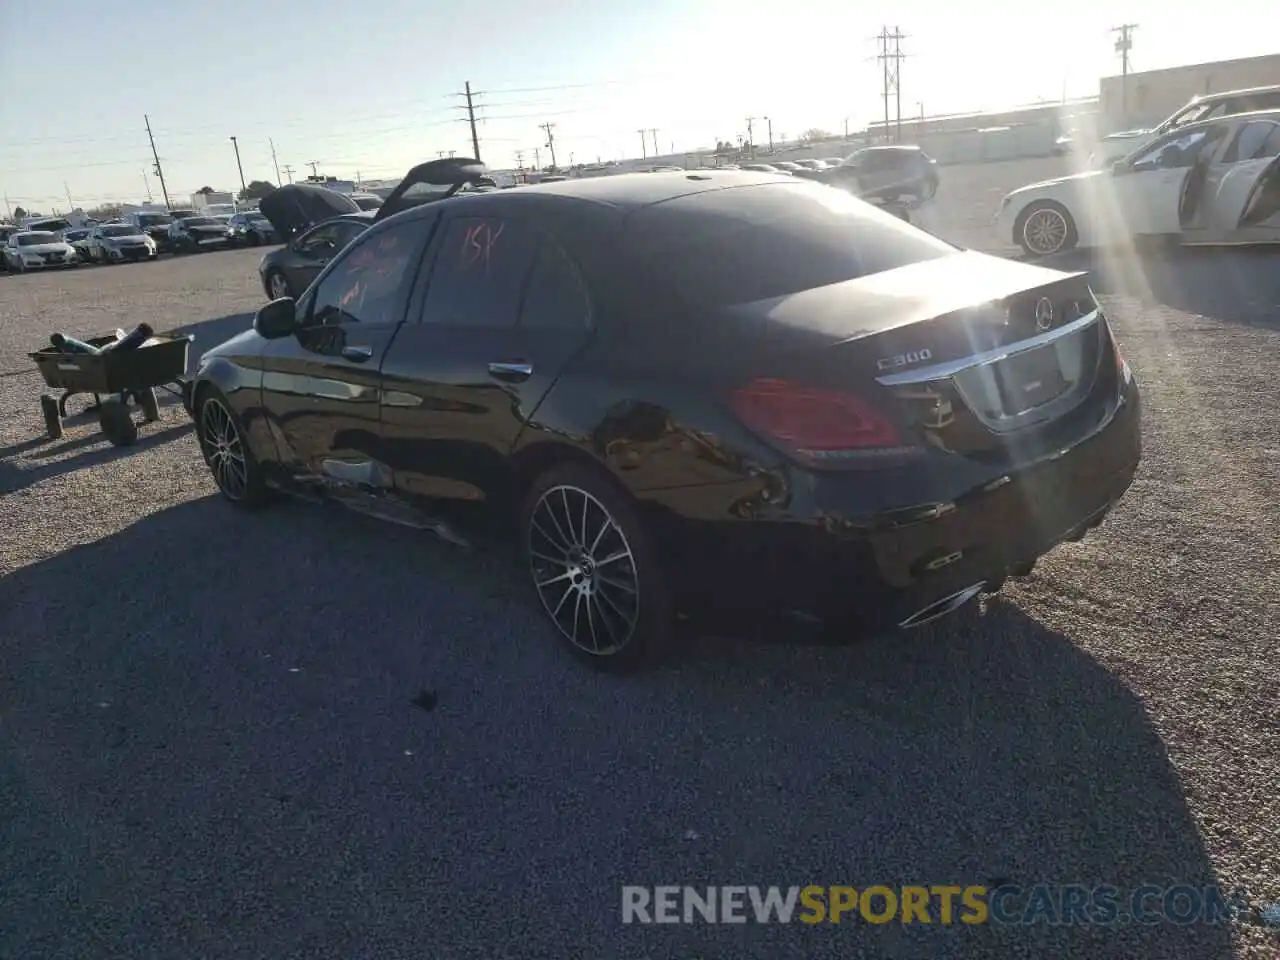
(1273, 114)
(626, 191)
(1229, 94)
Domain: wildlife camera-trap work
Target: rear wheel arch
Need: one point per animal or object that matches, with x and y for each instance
(534, 459)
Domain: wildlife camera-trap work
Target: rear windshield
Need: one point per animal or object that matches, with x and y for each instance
(123, 230)
(35, 239)
(742, 244)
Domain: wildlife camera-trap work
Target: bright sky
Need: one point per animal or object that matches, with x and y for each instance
(369, 87)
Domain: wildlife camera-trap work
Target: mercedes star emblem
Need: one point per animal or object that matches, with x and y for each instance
(1044, 313)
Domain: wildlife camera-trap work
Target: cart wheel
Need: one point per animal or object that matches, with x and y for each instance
(52, 421)
(147, 401)
(117, 424)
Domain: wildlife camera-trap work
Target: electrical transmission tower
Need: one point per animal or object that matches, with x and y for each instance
(1123, 45)
(891, 57)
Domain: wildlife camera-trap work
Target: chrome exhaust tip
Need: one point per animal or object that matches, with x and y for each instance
(942, 607)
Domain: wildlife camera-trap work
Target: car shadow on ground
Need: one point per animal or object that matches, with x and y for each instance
(1234, 284)
(346, 720)
(209, 333)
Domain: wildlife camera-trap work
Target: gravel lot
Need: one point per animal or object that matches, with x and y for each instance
(210, 746)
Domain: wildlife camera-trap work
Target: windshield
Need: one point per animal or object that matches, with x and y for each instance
(51, 225)
(200, 222)
(1188, 115)
(367, 203)
(772, 241)
(153, 219)
(123, 230)
(31, 239)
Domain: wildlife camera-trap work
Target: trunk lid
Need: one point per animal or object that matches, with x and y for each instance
(961, 350)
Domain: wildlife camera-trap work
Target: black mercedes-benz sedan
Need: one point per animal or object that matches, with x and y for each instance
(713, 390)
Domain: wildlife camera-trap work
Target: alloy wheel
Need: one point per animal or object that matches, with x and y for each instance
(223, 450)
(1045, 231)
(279, 286)
(584, 570)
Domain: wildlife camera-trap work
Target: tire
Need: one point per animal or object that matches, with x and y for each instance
(278, 285)
(1044, 229)
(117, 423)
(616, 624)
(253, 239)
(222, 445)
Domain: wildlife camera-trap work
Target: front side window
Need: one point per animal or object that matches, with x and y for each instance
(1174, 151)
(320, 240)
(370, 280)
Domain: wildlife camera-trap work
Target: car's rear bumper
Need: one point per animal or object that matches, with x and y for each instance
(827, 563)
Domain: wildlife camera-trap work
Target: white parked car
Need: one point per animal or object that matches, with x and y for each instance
(1209, 106)
(1211, 182)
(38, 249)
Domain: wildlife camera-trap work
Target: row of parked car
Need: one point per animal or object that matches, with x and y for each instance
(139, 236)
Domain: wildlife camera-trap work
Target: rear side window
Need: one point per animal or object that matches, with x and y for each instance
(738, 245)
(480, 273)
(555, 297)
(1250, 142)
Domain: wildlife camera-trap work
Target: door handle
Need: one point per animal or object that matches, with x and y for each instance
(511, 370)
(357, 354)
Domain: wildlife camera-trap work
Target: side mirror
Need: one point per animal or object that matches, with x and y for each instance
(277, 319)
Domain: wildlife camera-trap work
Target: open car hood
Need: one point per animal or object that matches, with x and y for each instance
(431, 181)
(297, 206)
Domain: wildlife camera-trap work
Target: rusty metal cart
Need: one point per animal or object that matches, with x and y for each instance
(114, 379)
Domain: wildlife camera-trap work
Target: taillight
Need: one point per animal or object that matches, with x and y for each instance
(817, 425)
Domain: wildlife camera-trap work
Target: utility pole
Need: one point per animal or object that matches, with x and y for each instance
(146, 183)
(1123, 46)
(891, 67)
(8, 210)
(537, 159)
(155, 156)
(240, 167)
(770, 123)
(471, 119)
(644, 147)
(288, 172)
(751, 139)
(551, 141)
(653, 132)
(71, 204)
(274, 162)
(313, 164)
(520, 160)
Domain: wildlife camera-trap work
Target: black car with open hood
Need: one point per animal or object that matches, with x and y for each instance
(297, 206)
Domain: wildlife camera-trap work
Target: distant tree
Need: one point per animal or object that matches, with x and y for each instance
(816, 134)
(205, 190)
(19, 213)
(106, 211)
(256, 190)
